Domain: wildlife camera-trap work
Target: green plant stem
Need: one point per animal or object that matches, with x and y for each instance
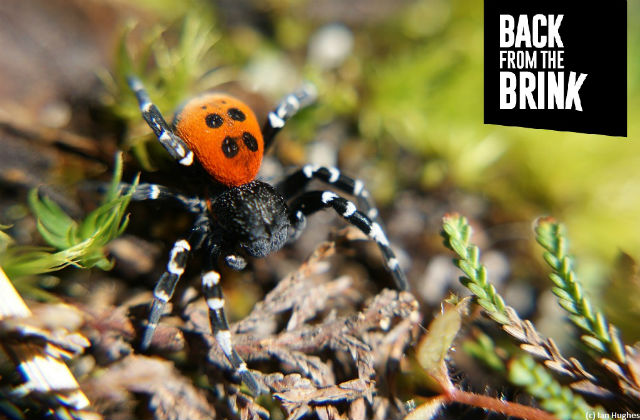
(553, 397)
(457, 234)
(534, 377)
(600, 335)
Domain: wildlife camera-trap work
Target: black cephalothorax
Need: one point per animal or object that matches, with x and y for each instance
(253, 215)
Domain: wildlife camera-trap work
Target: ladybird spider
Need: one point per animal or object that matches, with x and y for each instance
(239, 215)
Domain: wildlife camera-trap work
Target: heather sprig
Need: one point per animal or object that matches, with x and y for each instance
(599, 335)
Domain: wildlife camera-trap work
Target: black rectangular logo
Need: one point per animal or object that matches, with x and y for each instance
(559, 65)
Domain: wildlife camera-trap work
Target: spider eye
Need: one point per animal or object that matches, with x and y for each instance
(250, 141)
(213, 120)
(236, 114)
(229, 147)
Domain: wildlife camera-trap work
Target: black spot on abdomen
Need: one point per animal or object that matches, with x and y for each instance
(213, 120)
(250, 141)
(236, 114)
(229, 147)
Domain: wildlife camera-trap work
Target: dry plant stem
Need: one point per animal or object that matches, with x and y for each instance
(496, 405)
(543, 348)
(33, 130)
(170, 394)
(43, 373)
(308, 381)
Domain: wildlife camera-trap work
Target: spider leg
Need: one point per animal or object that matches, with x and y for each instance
(313, 201)
(298, 180)
(146, 191)
(287, 108)
(166, 285)
(220, 326)
(235, 262)
(172, 143)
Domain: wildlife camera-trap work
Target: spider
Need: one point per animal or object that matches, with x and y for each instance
(237, 215)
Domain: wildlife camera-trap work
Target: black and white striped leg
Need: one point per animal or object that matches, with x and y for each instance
(220, 328)
(146, 191)
(286, 109)
(175, 268)
(172, 143)
(313, 201)
(165, 287)
(298, 180)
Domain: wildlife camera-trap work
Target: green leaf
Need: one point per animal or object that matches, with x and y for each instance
(538, 382)
(557, 406)
(467, 269)
(594, 343)
(76, 244)
(500, 318)
(484, 350)
(559, 281)
(53, 223)
(581, 322)
(487, 305)
(602, 327)
(568, 306)
(459, 248)
(551, 260)
(435, 345)
(520, 373)
(562, 294)
(481, 275)
(477, 290)
(449, 229)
